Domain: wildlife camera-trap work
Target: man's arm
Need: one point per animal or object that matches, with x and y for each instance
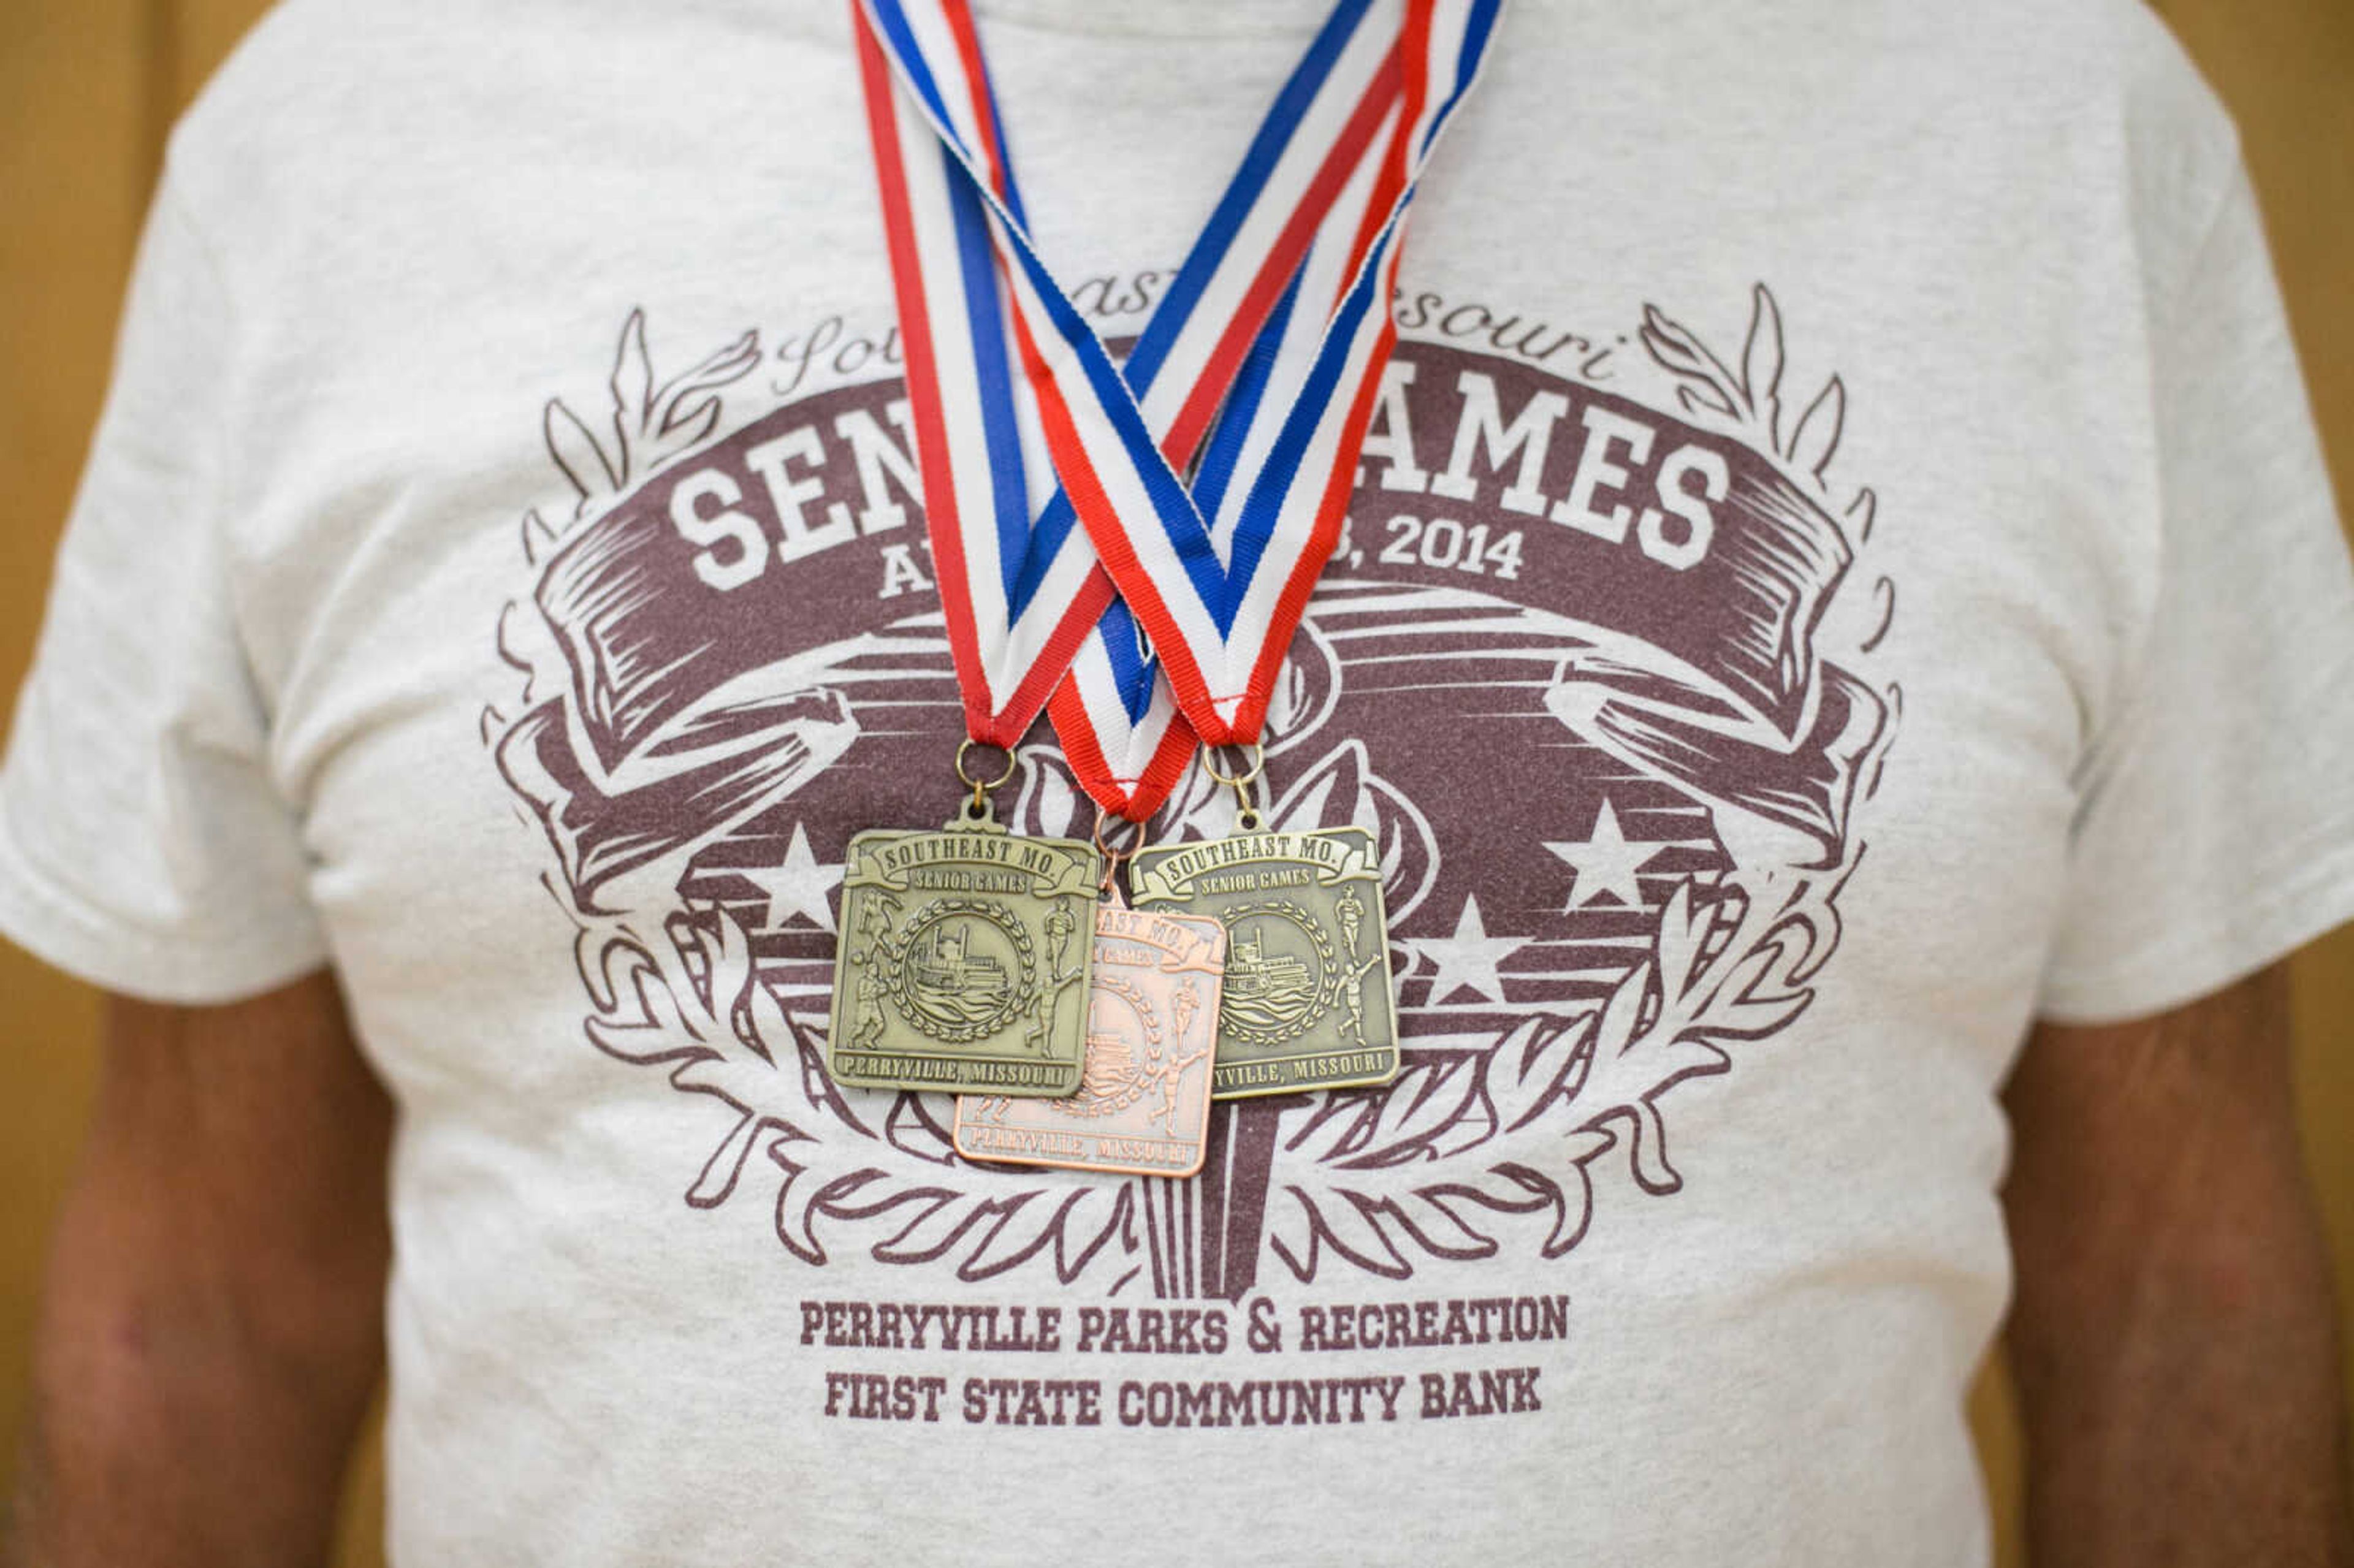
(2174, 1338)
(211, 1323)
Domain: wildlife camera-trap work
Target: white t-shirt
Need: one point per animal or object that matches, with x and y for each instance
(1840, 566)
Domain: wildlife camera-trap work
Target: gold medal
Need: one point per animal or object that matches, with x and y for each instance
(1306, 1001)
(1143, 1107)
(964, 958)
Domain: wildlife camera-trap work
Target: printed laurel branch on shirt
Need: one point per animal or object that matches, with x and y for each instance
(1384, 1173)
(690, 999)
(1749, 404)
(650, 423)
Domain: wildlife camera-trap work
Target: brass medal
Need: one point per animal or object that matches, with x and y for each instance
(964, 961)
(1143, 1109)
(1306, 1002)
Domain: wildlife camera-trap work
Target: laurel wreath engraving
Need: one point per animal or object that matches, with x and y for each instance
(902, 989)
(1465, 1153)
(1330, 978)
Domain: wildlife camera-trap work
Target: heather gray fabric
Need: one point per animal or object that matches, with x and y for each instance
(1840, 564)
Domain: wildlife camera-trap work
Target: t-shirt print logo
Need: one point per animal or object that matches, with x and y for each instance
(1586, 667)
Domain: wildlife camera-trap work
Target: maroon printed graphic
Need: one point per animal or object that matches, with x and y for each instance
(1565, 665)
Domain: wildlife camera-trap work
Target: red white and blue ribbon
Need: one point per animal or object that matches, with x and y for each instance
(1260, 365)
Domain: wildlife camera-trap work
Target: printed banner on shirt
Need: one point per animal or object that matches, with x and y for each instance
(698, 693)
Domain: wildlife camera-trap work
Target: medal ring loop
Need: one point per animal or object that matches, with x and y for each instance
(1247, 817)
(1236, 780)
(1116, 855)
(982, 787)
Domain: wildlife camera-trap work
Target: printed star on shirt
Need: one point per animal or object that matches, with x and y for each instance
(798, 885)
(1606, 863)
(1468, 959)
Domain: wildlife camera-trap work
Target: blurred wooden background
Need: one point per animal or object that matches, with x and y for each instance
(87, 90)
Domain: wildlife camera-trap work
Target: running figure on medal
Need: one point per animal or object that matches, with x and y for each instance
(1167, 1069)
(1059, 926)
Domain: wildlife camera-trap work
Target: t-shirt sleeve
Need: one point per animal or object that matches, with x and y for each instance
(2215, 821)
(143, 843)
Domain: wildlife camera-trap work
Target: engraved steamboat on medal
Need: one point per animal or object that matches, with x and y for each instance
(1124, 1031)
(965, 972)
(1282, 974)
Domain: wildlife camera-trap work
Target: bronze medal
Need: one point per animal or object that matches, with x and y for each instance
(1143, 1107)
(1306, 1001)
(964, 961)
